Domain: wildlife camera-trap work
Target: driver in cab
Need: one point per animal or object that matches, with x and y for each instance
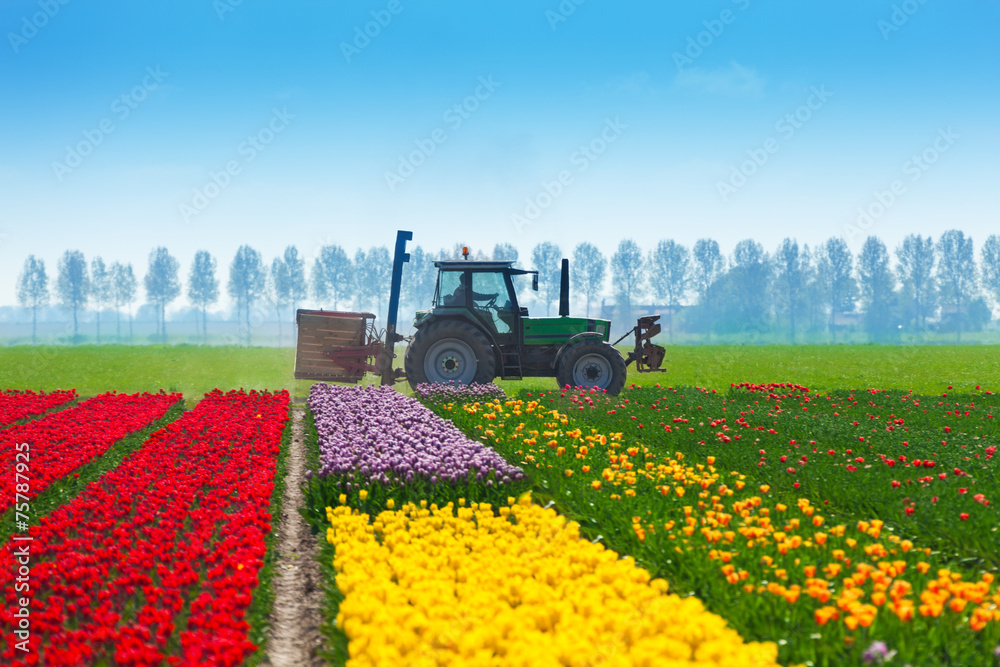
(457, 297)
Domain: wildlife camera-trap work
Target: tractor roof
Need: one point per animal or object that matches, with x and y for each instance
(472, 265)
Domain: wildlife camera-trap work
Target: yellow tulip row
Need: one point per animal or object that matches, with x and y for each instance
(513, 586)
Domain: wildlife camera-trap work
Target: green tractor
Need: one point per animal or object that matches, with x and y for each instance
(474, 331)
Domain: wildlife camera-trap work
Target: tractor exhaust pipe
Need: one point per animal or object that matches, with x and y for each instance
(564, 290)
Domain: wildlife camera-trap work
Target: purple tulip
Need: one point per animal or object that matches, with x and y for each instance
(381, 435)
(449, 391)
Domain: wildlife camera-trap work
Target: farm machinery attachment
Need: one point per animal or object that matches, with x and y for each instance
(647, 356)
(474, 331)
(336, 346)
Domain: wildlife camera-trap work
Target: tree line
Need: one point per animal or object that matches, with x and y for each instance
(794, 289)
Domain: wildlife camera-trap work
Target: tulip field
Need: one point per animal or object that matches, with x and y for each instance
(439, 556)
(154, 561)
(845, 528)
(18, 405)
(752, 524)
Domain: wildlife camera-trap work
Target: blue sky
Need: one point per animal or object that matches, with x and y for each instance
(647, 132)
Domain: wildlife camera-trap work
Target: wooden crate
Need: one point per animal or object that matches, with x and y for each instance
(322, 331)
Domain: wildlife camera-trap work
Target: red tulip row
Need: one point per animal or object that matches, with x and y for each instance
(157, 560)
(35, 454)
(15, 405)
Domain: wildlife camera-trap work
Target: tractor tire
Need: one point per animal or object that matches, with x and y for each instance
(449, 351)
(592, 363)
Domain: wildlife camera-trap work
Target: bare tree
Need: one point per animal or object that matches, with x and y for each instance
(956, 274)
(124, 286)
(33, 290)
(628, 274)
(247, 282)
(162, 285)
(708, 267)
(203, 287)
(332, 274)
(100, 289)
(545, 257)
(419, 276)
(790, 274)
(669, 266)
(991, 266)
(836, 274)
(915, 269)
(877, 287)
(588, 271)
(280, 288)
(505, 252)
(73, 285)
(378, 273)
(297, 287)
(363, 289)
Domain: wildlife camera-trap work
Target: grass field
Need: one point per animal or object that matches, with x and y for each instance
(195, 370)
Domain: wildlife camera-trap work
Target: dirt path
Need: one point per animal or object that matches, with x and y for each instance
(294, 634)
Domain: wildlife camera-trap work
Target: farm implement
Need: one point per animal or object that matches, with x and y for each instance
(474, 331)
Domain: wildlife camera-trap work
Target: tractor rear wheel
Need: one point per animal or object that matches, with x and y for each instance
(592, 363)
(449, 351)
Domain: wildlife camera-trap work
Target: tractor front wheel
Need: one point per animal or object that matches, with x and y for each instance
(449, 351)
(592, 364)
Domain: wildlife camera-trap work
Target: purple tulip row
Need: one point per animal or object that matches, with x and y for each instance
(450, 391)
(378, 435)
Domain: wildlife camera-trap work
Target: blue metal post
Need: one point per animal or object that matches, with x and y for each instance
(391, 337)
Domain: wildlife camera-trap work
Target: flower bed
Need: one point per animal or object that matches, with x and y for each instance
(468, 587)
(16, 405)
(158, 559)
(834, 523)
(60, 443)
(449, 391)
(376, 444)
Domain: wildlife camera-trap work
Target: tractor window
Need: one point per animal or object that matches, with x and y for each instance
(485, 285)
(492, 301)
(449, 283)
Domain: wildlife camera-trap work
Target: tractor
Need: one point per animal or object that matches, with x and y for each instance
(474, 331)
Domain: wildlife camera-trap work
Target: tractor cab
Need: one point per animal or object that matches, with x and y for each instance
(485, 292)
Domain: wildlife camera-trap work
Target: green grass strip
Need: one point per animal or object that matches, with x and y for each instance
(65, 490)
